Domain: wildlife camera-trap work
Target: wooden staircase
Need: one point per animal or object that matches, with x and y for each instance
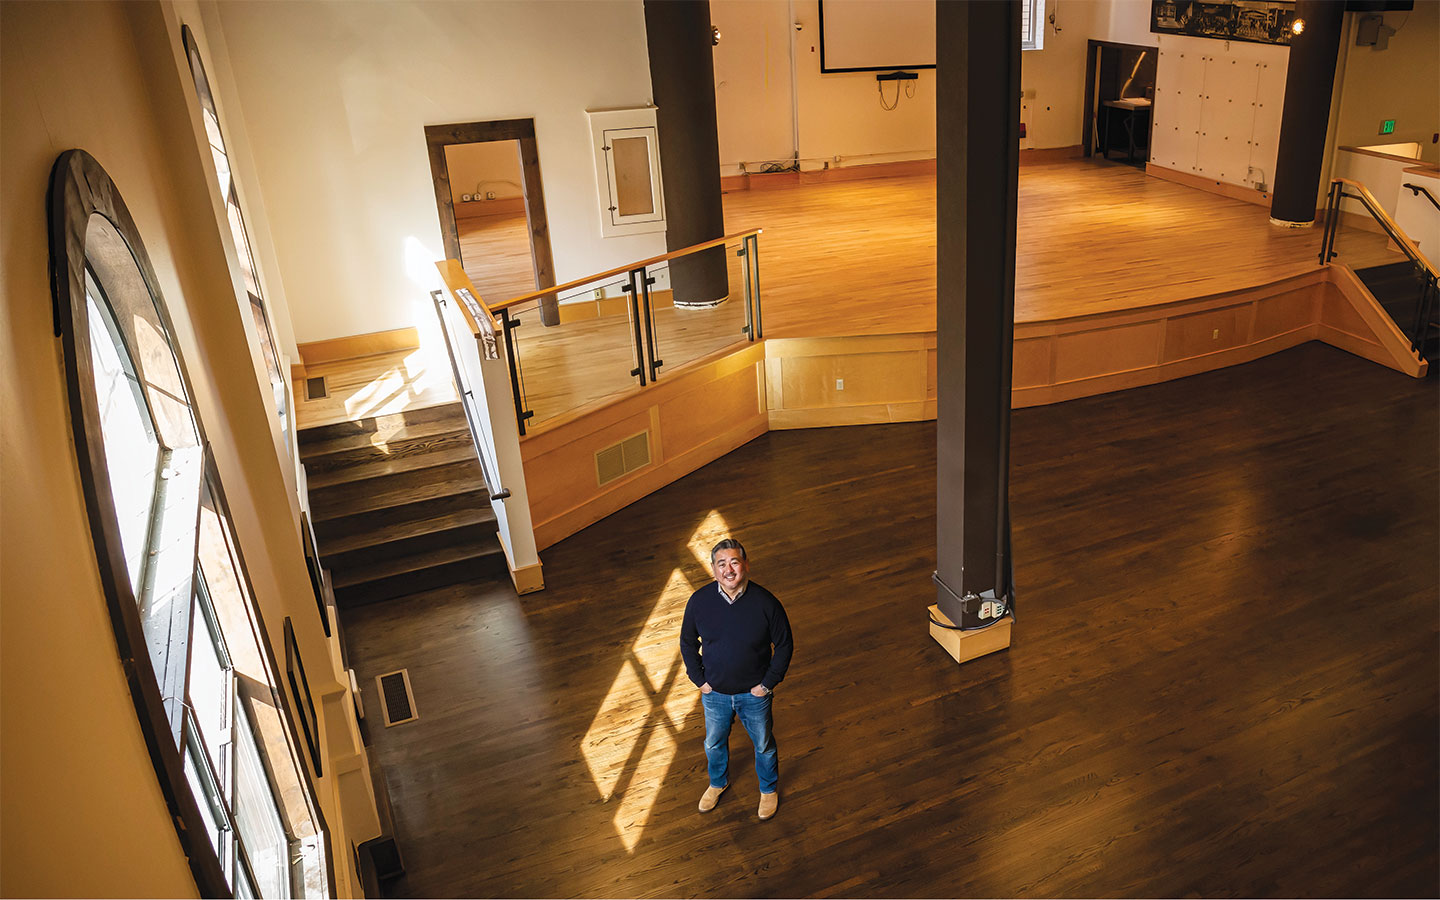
(399, 504)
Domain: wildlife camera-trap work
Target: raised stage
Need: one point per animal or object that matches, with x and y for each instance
(1122, 279)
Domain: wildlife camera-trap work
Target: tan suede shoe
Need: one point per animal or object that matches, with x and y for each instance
(710, 798)
(768, 804)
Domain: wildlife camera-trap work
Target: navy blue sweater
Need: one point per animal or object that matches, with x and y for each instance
(728, 645)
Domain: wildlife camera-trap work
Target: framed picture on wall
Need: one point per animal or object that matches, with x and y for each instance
(304, 702)
(317, 573)
(1256, 21)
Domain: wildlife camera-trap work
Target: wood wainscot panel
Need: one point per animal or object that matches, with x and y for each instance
(1104, 351)
(560, 460)
(1032, 363)
(1291, 311)
(867, 378)
(1207, 332)
(695, 417)
(565, 476)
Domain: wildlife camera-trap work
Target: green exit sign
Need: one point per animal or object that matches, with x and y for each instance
(1387, 126)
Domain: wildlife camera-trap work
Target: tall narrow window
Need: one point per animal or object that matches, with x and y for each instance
(1032, 24)
(265, 337)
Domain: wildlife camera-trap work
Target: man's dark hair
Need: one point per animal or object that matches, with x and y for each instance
(727, 544)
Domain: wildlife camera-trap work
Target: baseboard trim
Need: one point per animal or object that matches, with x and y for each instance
(1047, 155)
(1223, 188)
(355, 346)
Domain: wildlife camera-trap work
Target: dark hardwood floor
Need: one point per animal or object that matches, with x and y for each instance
(1225, 676)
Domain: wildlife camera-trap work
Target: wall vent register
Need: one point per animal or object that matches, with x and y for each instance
(619, 460)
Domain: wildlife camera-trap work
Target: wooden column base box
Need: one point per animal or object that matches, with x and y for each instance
(966, 645)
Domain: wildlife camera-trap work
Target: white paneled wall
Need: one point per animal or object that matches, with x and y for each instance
(1217, 109)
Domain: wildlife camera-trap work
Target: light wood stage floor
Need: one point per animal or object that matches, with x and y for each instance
(858, 258)
(1224, 680)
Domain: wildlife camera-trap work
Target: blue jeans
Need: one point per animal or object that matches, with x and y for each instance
(754, 713)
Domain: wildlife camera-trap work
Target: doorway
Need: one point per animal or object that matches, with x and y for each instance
(491, 202)
(1119, 101)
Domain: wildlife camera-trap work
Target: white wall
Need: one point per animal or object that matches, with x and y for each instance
(1053, 77)
(754, 103)
(1119, 21)
(336, 97)
(1401, 82)
(841, 115)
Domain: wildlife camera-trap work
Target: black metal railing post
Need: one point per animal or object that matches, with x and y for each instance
(631, 288)
(508, 324)
(650, 348)
(1332, 216)
(754, 256)
(744, 253)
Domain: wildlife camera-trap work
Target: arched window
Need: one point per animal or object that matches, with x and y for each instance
(202, 676)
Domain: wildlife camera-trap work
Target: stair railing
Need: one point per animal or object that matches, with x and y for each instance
(602, 334)
(1418, 189)
(1426, 273)
(463, 383)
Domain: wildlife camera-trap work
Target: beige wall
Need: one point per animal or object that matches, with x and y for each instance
(491, 167)
(77, 778)
(68, 797)
(336, 97)
(1055, 74)
(1401, 82)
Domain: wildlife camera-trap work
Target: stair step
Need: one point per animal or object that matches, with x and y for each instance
(385, 440)
(399, 489)
(321, 434)
(390, 579)
(400, 538)
(458, 449)
(418, 510)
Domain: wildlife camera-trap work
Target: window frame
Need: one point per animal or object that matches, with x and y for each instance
(1033, 11)
(80, 191)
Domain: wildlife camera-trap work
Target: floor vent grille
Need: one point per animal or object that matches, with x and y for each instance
(315, 388)
(619, 460)
(397, 700)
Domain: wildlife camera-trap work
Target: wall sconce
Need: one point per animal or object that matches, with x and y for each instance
(714, 35)
(1297, 26)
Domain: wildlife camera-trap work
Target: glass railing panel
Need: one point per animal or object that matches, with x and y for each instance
(699, 306)
(586, 355)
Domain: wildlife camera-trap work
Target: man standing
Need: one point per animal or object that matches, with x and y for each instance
(726, 639)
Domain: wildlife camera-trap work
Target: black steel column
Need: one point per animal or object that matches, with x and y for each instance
(978, 146)
(682, 77)
(1306, 117)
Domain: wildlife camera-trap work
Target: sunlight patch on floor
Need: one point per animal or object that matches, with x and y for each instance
(649, 702)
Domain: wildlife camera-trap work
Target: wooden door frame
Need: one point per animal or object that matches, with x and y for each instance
(1092, 65)
(438, 137)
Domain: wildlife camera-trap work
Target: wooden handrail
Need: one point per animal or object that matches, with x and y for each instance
(674, 254)
(453, 274)
(1396, 232)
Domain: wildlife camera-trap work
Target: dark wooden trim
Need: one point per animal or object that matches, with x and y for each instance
(438, 137)
(312, 565)
(79, 188)
(304, 700)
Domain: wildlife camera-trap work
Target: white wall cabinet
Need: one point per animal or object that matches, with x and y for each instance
(627, 170)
